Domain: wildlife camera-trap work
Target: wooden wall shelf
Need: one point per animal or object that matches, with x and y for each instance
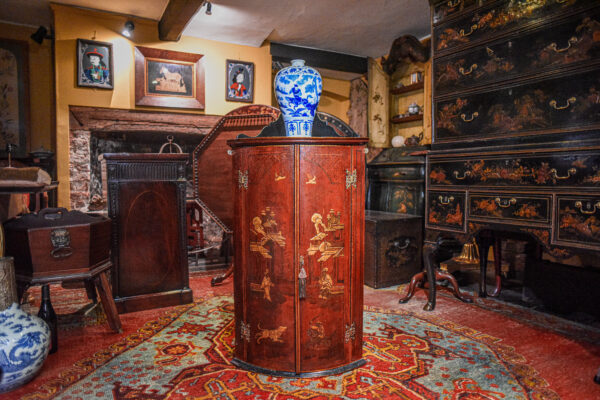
(410, 118)
(409, 88)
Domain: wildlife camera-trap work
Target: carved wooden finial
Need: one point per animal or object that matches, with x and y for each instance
(405, 49)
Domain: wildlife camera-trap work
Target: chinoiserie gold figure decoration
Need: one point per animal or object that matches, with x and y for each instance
(265, 286)
(279, 177)
(264, 227)
(318, 244)
(312, 179)
(270, 334)
(325, 283)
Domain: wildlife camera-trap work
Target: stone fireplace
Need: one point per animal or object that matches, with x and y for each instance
(94, 131)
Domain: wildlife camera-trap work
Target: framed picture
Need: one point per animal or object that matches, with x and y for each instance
(239, 84)
(94, 64)
(165, 78)
(14, 96)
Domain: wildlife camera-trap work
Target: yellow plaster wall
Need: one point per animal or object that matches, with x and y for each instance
(41, 90)
(335, 98)
(73, 23)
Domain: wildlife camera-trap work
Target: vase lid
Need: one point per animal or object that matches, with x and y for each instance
(298, 63)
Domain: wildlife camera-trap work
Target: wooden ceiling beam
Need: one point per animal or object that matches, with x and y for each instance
(177, 15)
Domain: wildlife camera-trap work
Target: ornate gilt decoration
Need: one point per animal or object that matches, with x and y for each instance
(318, 243)
(264, 227)
(311, 179)
(351, 179)
(273, 335)
(242, 179)
(279, 177)
(265, 286)
(350, 333)
(245, 331)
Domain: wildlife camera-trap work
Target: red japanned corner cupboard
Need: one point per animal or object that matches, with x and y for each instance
(299, 234)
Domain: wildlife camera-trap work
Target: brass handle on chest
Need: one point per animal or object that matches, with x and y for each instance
(570, 100)
(506, 203)
(473, 116)
(570, 171)
(570, 42)
(445, 200)
(453, 3)
(466, 175)
(406, 244)
(468, 71)
(463, 34)
(579, 205)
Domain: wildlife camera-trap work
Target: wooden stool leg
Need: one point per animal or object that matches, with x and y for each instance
(440, 275)
(483, 243)
(90, 290)
(108, 303)
(410, 291)
(497, 266)
(430, 253)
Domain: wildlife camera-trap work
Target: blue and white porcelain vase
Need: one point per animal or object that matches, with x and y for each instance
(298, 89)
(24, 345)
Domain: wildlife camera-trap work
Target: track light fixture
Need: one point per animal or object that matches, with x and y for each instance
(128, 29)
(208, 7)
(41, 34)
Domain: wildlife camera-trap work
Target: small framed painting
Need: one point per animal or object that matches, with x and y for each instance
(94, 64)
(239, 85)
(14, 97)
(165, 78)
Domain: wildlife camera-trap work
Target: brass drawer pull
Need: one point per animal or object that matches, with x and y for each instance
(466, 175)
(473, 116)
(454, 3)
(468, 71)
(473, 29)
(579, 204)
(506, 203)
(570, 171)
(406, 244)
(555, 105)
(445, 200)
(561, 1)
(570, 42)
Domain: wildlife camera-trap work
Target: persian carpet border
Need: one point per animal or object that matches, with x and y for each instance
(85, 366)
(528, 377)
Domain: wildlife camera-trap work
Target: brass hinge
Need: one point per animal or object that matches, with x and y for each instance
(242, 179)
(351, 178)
(350, 332)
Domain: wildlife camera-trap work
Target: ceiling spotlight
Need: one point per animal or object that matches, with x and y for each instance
(40, 35)
(208, 7)
(128, 29)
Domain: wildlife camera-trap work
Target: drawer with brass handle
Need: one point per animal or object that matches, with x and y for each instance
(509, 207)
(578, 220)
(486, 22)
(446, 209)
(568, 44)
(563, 103)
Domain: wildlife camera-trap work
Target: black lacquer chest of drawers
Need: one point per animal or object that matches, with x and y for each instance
(516, 135)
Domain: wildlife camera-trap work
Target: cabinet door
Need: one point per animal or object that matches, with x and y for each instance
(265, 314)
(325, 187)
(149, 257)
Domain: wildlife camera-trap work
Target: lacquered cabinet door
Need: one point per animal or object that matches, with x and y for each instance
(264, 182)
(324, 248)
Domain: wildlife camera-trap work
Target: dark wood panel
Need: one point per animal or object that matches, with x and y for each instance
(566, 103)
(575, 42)
(486, 22)
(147, 205)
(450, 8)
(575, 168)
(507, 206)
(446, 209)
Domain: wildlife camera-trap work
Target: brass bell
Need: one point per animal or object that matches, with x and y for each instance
(469, 254)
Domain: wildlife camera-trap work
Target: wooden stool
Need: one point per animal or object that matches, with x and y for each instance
(434, 253)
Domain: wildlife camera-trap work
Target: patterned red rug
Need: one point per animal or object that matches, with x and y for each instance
(186, 354)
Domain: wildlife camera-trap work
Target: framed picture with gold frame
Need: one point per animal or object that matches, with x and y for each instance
(165, 78)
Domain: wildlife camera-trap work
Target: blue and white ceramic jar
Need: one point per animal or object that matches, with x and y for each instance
(24, 345)
(298, 89)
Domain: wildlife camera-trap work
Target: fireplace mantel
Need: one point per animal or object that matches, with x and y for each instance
(87, 121)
